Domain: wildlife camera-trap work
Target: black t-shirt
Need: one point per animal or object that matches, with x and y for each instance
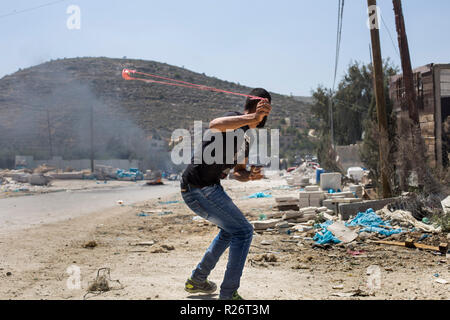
(203, 174)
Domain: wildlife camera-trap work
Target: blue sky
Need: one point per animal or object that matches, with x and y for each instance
(286, 46)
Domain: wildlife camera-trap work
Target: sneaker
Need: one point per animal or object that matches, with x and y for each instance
(235, 296)
(193, 286)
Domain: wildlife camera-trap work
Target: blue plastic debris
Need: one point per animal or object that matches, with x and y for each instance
(424, 236)
(259, 195)
(324, 236)
(164, 213)
(372, 223)
(142, 214)
(132, 173)
(169, 202)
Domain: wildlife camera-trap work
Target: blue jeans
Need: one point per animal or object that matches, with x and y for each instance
(214, 205)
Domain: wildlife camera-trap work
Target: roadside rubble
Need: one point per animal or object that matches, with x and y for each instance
(38, 180)
(314, 212)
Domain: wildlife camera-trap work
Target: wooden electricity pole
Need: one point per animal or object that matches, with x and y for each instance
(379, 95)
(49, 129)
(408, 79)
(92, 137)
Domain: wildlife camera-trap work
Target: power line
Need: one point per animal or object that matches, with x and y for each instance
(15, 12)
(336, 63)
(390, 36)
(338, 38)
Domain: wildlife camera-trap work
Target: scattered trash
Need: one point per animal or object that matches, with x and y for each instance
(133, 174)
(424, 236)
(324, 236)
(442, 249)
(441, 281)
(120, 202)
(163, 248)
(169, 202)
(262, 217)
(266, 258)
(164, 213)
(90, 244)
(142, 214)
(341, 232)
(258, 195)
(356, 253)
(102, 283)
(197, 218)
(146, 243)
(338, 287)
(373, 223)
(402, 217)
(355, 293)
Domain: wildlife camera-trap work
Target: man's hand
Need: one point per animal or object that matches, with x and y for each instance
(255, 173)
(263, 109)
(241, 175)
(244, 175)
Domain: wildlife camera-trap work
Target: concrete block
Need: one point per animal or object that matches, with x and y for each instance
(308, 210)
(292, 215)
(303, 203)
(346, 194)
(330, 181)
(347, 210)
(38, 180)
(285, 199)
(312, 188)
(265, 224)
(303, 195)
(21, 177)
(287, 207)
(66, 175)
(330, 204)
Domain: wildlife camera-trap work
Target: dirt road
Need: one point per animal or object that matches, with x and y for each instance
(152, 254)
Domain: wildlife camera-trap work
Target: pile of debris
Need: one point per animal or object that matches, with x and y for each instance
(302, 176)
(327, 215)
(18, 179)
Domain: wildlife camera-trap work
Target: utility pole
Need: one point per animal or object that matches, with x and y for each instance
(379, 94)
(408, 80)
(330, 107)
(92, 137)
(49, 133)
(419, 164)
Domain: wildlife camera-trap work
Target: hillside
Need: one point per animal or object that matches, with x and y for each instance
(50, 103)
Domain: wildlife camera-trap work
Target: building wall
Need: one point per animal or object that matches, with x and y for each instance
(432, 83)
(79, 164)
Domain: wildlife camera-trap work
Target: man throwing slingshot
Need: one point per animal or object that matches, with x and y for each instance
(203, 194)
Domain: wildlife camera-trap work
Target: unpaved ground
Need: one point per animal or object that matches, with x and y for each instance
(36, 260)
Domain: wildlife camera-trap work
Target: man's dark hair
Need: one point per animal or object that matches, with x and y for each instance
(250, 104)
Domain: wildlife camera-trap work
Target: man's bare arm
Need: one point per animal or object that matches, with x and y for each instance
(234, 122)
